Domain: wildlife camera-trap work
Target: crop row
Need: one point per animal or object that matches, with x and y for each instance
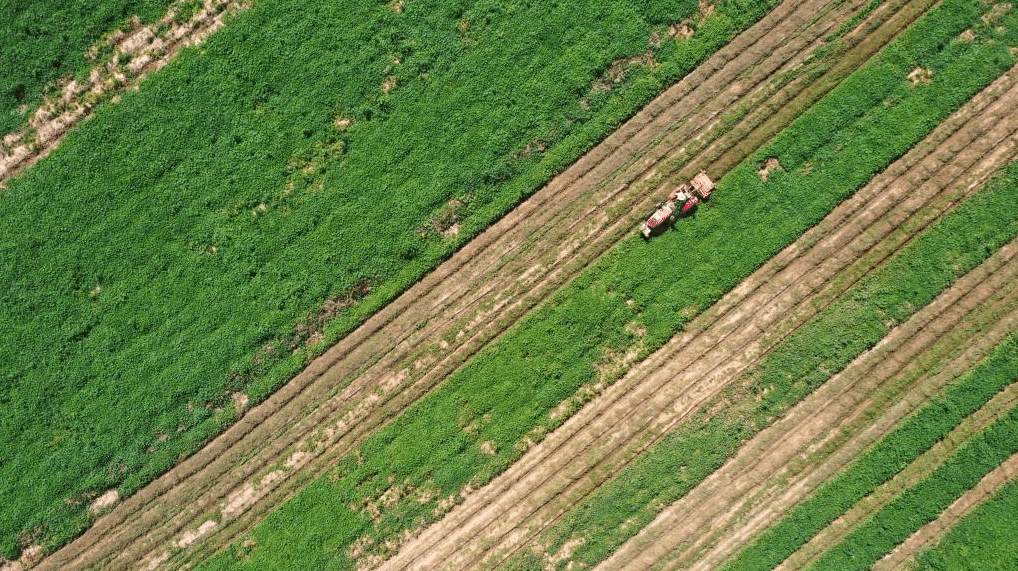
(177, 249)
(925, 501)
(801, 363)
(983, 540)
(476, 424)
(888, 457)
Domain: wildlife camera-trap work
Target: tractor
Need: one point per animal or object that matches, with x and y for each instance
(683, 200)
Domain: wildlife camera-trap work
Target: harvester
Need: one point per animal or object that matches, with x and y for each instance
(682, 200)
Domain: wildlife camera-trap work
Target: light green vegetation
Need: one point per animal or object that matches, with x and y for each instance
(179, 246)
(885, 459)
(504, 395)
(44, 41)
(985, 539)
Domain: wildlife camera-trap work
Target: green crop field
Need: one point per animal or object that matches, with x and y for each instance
(924, 502)
(44, 41)
(179, 246)
(983, 540)
(202, 239)
(797, 366)
(512, 386)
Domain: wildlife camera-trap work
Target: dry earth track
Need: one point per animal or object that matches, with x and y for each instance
(507, 507)
(721, 148)
(933, 531)
(267, 431)
(997, 152)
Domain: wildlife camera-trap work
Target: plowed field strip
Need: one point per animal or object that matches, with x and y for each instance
(765, 504)
(595, 239)
(476, 292)
(997, 407)
(933, 531)
(875, 197)
(280, 422)
(682, 510)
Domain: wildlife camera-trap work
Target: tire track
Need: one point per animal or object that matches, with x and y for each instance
(869, 201)
(256, 427)
(932, 532)
(335, 455)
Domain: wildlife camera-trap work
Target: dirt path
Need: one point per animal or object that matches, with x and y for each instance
(149, 50)
(933, 531)
(923, 466)
(482, 290)
(536, 490)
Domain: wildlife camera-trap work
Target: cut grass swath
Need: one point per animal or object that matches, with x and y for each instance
(178, 247)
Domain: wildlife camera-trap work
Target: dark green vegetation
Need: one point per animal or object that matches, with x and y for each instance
(179, 246)
(888, 457)
(985, 539)
(924, 502)
(504, 394)
(45, 40)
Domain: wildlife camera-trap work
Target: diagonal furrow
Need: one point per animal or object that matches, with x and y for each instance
(336, 452)
(834, 243)
(922, 467)
(268, 431)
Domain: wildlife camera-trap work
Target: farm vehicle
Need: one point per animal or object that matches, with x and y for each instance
(682, 201)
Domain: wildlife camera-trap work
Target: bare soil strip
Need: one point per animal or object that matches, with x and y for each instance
(933, 531)
(720, 149)
(923, 466)
(234, 468)
(149, 50)
(658, 393)
(447, 295)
